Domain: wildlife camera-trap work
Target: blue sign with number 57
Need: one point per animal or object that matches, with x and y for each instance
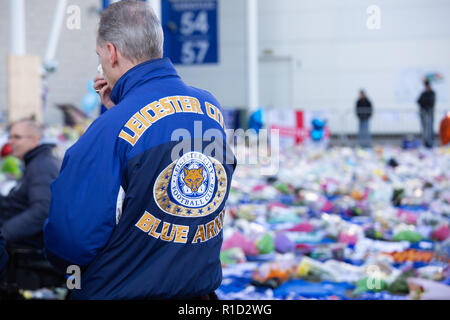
(190, 31)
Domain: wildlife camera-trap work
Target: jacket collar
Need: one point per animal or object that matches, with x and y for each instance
(141, 73)
(36, 151)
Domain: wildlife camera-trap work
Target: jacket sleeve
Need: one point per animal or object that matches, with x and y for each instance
(83, 205)
(29, 222)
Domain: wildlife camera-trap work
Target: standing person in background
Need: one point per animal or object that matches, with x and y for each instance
(426, 102)
(364, 112)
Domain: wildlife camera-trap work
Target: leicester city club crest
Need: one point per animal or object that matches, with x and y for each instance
(192, 186)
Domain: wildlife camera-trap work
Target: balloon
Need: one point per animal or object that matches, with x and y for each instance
(316, 135)
(90, 86)
(318, 124)
(11, 165)
(6, 150)
(90, 102)
(317, 131)
(256, 120)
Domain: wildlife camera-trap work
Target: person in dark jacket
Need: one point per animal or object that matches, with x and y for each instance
(364, 112)
(24, 210)
(426, 102)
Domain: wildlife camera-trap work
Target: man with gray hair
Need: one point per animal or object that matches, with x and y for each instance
(139, 215)
(121, 45)
(24, 210)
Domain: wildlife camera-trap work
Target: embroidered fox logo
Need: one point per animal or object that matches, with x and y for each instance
(193, 178)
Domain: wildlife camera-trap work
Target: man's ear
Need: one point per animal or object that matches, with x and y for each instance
(112, 53)
(36, 140)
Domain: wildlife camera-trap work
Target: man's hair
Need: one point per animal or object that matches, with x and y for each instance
(36, 129)
(134, 29)
(427, 82)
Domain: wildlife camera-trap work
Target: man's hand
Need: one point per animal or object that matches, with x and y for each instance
(101, 86)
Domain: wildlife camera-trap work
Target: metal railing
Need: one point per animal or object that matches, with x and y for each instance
(344, 124)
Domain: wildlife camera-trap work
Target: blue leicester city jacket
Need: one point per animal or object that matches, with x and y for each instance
(139, 201)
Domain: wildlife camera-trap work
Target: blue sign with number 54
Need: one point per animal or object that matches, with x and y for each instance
(190, 31)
